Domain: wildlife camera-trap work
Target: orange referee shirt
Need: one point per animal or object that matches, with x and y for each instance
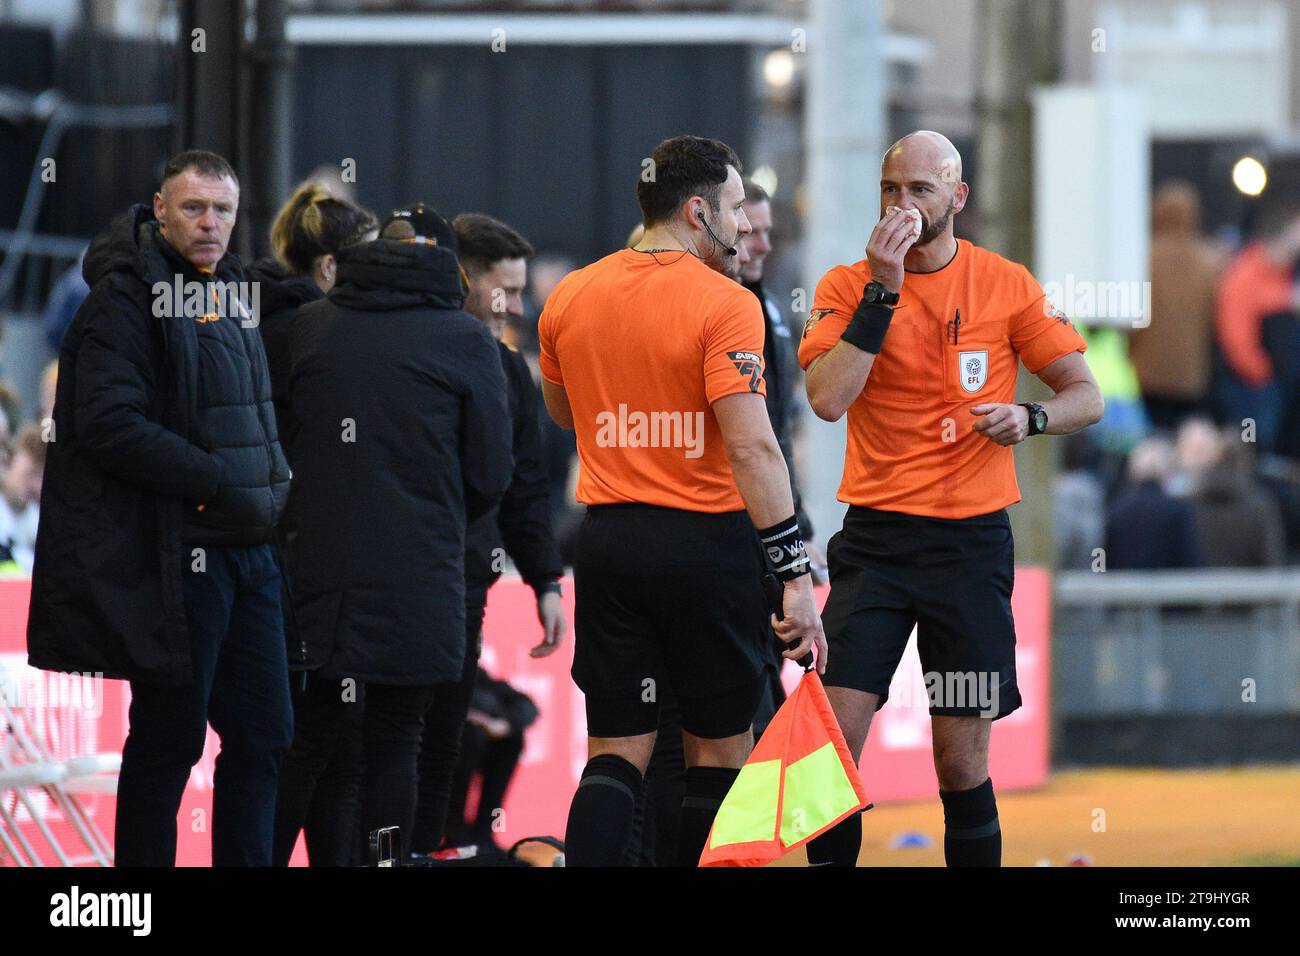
(910, 443)
(643, 345)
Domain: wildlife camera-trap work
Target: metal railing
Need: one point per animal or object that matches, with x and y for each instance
(45, 259)
(1165, 642)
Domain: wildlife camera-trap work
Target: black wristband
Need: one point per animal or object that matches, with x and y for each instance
(783, 550)
(550, 587)
(868, 326)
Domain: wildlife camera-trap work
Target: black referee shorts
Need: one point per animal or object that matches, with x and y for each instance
(668, 595)
(949, 578)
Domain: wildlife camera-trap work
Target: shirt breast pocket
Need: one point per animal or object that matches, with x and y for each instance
(968, 367)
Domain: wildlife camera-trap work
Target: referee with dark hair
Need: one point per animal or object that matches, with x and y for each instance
(655, 358)
(920, 344)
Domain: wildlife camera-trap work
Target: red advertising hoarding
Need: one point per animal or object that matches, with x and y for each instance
(80, 717)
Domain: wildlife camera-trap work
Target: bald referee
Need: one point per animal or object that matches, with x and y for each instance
(920, 343)
(655, 357)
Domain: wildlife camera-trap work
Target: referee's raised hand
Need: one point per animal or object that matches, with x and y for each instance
(801, 628)
(888, 245)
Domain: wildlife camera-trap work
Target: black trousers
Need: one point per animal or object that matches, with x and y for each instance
(393, 728)
(444, 724)
(241, 687)
(494, 760)
(321, 780)
(380, 723)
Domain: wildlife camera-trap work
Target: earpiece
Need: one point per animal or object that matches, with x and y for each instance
(731, 250)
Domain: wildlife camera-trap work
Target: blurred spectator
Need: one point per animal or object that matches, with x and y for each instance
(1124, 422)
(1078, 507)
(1256, 327)
(785, 394)
(492, 743)
(1281, 478)
(544, 272)
(11, 419)
(1172, 354)
(64, 301)
(1197, 447)
(49, 384)
(1146, 528)
(20, 501)
(559, 446)
(1239, 523)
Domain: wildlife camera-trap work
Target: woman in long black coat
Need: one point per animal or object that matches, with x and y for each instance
(400, 436)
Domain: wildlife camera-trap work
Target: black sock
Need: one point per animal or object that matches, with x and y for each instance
(838, 846)
(972, 835)
(600, 817)
(705, 788)
(634, 853)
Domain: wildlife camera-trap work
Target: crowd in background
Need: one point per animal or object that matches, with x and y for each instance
(1197, 463)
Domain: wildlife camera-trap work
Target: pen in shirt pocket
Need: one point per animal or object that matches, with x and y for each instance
(954, 328)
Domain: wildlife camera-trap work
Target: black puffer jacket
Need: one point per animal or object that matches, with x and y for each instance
(128, 460)
(401, 435)
(235, 420)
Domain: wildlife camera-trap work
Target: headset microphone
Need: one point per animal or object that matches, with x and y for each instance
(731, 250)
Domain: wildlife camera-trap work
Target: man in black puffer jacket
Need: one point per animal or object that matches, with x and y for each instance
(401, 437)
(164, 481)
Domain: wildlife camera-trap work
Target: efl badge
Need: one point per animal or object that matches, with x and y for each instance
(973, 369)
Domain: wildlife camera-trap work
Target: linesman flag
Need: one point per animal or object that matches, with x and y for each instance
(799, 782)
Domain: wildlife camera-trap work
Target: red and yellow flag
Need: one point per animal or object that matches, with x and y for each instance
(799, 782)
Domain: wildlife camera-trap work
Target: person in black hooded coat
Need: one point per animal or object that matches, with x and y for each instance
(163, 483)
(401, 435)
(306, 237)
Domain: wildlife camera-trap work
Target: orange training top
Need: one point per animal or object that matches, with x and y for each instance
(643, 345)
(910, 443)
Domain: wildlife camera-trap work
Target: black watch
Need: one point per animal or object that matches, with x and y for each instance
(877, 294)
(1037, 417)
(551, 588)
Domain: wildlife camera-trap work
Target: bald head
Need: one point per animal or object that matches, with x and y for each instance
(922, 171)
(930, 149)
